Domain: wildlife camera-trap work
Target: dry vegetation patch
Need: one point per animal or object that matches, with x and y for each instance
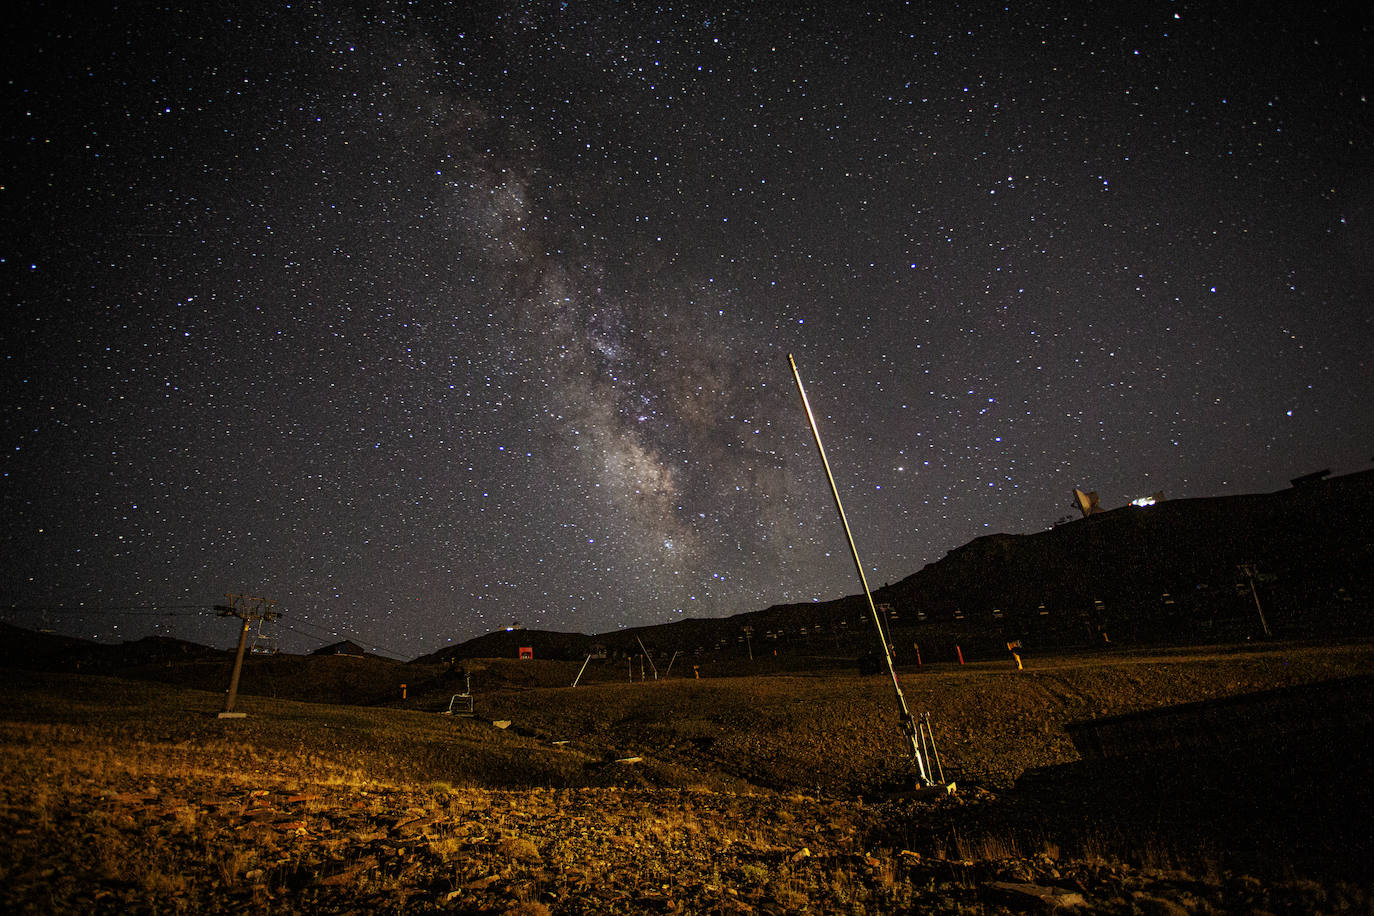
(750, 795)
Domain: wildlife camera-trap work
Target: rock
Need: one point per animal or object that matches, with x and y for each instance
(415, 826)
(1035, 896)
(1157, 906)
(482, 884)
(347, 875)
(519, 849)
(1017, 872)
(531, 908)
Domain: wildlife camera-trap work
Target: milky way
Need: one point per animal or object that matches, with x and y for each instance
(425, 321)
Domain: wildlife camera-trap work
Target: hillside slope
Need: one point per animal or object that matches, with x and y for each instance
(651, 797)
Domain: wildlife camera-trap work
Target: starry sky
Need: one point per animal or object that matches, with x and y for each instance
(423, 319)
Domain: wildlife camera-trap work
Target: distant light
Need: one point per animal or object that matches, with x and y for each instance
(1143, 501)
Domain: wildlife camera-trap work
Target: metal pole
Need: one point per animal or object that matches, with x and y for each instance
(907, 723)
(238, 667)
(934, 751)
(649, 657)
(1264, 624)
(1250, 571)
(580, 670)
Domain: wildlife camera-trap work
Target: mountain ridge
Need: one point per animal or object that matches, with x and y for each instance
(1171, 571)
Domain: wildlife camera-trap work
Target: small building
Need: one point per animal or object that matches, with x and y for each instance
(347, 647)
(526, 653)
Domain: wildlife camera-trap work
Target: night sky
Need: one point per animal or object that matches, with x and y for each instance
(424, 319)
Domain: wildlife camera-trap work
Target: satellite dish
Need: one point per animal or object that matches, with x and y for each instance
(1086, 502)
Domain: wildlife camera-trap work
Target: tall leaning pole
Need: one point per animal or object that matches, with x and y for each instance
(907, 722)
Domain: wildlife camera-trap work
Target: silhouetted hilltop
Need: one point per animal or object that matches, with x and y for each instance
(1177, 571)
(36, 651)
(1177, 568)
(508, 643)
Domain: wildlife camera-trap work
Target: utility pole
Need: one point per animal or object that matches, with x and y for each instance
(247, 609)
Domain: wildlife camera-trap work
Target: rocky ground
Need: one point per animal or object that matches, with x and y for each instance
(126, 797)
(594, 851)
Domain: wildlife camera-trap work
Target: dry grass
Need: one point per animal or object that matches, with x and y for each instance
(839, 734)
(138, 796)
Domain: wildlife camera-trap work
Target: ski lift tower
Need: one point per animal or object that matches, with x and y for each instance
(250, 610)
